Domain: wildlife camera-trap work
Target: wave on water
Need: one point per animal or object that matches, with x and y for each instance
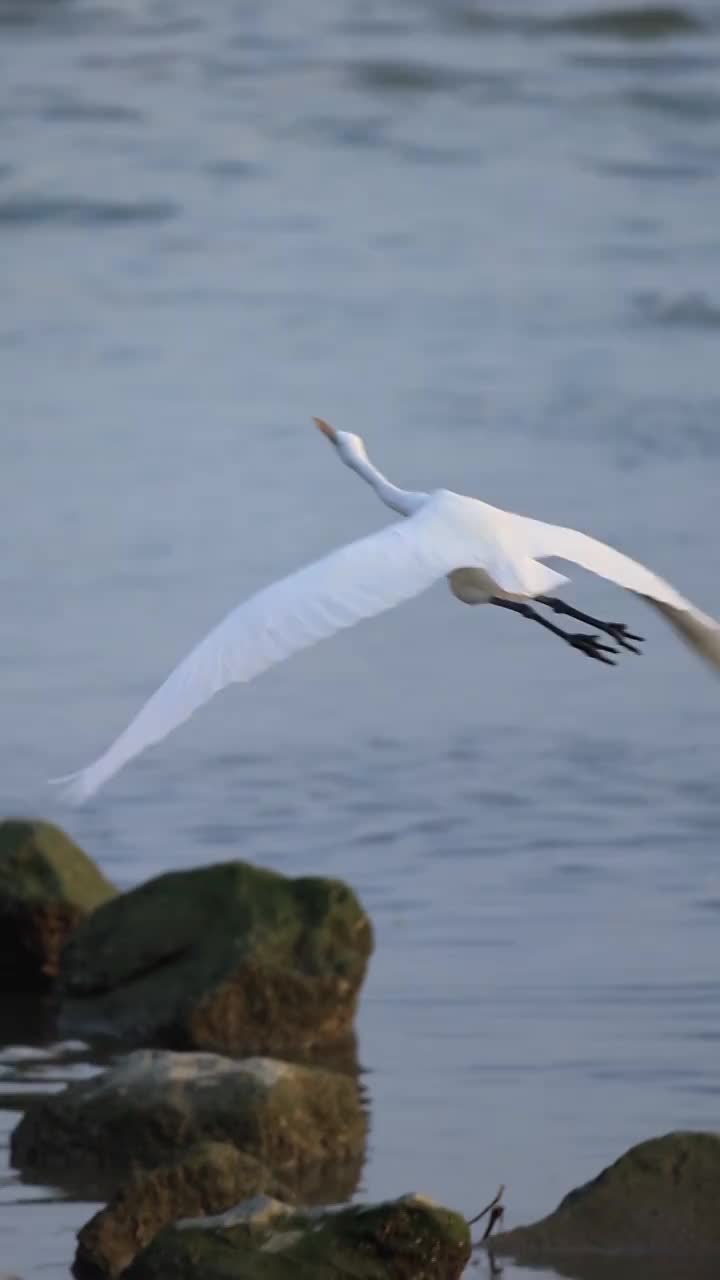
(81, 211)
(630, 22)
(686, 311)
(634, 22)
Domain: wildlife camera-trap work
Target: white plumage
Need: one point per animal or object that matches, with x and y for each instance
(488, 555)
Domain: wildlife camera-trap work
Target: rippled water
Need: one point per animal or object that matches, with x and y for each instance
(487, 238)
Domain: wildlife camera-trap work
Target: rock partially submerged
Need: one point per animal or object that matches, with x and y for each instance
(305, 1124)
(47, 887)
(662, 1197)
(406, 1239)
(231, 958)
(206, 1179)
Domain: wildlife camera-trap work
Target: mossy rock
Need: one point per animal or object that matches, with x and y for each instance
(305, 1124)
(48, 885)
(206, 1179)
(662, 1197)
(407, 1239)
(231, 958)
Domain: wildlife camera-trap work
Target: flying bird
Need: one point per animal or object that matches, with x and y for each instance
(489, 556)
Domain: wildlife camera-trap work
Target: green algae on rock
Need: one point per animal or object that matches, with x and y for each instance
(407, 1239)
(206, 1179)
(305, 1124)
(48, 885)
(661, 1197)
(231, 958)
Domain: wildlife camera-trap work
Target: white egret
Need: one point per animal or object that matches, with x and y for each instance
(488, 555)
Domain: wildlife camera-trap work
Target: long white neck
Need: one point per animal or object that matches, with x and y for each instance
(402, 500)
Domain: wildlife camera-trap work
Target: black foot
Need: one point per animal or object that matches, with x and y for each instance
(617, 630)
(622, 636)
(591, 646)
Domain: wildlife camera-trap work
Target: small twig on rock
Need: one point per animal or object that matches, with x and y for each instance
(494, 1211)
(494, 1203)
(495, 1216)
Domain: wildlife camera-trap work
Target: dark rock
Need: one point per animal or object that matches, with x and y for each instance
(205, 1179)
(231, 958)
(47, 887)
(660, 1198)
(305, 1124)
(406, 1239)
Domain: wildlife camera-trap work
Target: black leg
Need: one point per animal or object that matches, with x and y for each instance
(586, 644)
(617, 630)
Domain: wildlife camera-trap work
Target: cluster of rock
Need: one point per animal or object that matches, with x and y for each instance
(241, 986)
(200, 1154)
(231, 958)
(217, 1142)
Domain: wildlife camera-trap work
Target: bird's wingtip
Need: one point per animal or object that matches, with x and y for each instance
(73, 788)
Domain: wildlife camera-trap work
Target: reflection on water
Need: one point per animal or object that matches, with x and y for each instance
(693, 310)
(485, 236)
(603, 1267)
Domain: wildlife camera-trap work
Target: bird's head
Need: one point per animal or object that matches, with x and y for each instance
(350, 447)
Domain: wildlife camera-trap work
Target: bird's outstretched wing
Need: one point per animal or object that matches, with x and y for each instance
(549, 541)
(357, 581)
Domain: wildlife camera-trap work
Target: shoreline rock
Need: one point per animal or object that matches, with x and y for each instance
(660, 1198)
(230, 958)
(306, 1124)
(48, 886)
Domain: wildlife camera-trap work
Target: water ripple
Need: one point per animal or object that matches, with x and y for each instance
(614, 22)
(32, 211)
(627, 22)
(687, 311)
(701, 106)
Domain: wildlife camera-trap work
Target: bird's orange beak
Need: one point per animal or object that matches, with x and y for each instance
(326, 429)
